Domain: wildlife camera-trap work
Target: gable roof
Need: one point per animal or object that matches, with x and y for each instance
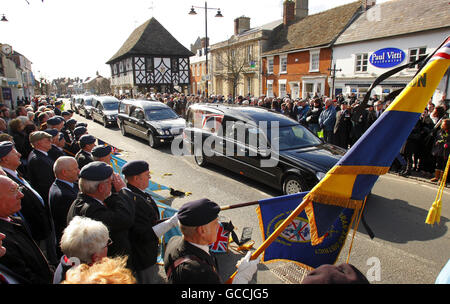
(312, 31)
(397, 17)
(151, 38)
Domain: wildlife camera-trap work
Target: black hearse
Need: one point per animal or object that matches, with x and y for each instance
(105, 109)
(151, 120)
(261, 144)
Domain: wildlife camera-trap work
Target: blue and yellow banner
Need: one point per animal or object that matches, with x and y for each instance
(294, 243)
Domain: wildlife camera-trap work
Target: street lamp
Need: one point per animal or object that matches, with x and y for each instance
(218, 14)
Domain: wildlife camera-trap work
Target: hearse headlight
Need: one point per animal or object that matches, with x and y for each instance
(160, 131)
(320, 175)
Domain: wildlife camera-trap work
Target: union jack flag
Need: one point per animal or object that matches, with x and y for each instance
(221, 244)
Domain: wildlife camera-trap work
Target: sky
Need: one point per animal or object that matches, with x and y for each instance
(74, 38)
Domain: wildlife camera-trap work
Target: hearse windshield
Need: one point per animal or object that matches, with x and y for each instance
(110, 106)
(292, 137)
(160, 114)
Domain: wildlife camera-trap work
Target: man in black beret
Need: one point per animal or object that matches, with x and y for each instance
(84, 156)
(95, 183)
(102, 153)
(145, 232)
(55, 122)
(69, 136)
(187, 259)
(58, 105)
(55, 152)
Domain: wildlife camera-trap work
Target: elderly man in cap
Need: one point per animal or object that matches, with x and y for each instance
(63, 192)
(102, 153)
(95, 182)
(34, 210)
(145, 232)
(22, 254)
(187, 259)
(56, 122)
(84, 156)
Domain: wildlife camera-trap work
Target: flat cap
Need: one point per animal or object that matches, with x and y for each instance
(5, 148)
(55, 120)
(79, 131)
(198, 213)
(87, 140)
(136, 167)
(101, 150)
(38, 135)
(96, 171)
(52, 132)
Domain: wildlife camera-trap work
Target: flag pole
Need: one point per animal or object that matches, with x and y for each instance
(276, 233)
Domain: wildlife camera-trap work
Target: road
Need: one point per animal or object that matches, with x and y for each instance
(405, 248)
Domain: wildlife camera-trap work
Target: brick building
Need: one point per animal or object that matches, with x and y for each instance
(298, 54)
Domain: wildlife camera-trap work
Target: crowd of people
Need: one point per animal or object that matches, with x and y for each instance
(66, 217)
(343, 120)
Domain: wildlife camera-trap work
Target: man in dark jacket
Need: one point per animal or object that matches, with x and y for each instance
(33, 211)
(187, 259)
(22, 254)
(84, 156)
(63, 192)
(96, 181)
(145, 233)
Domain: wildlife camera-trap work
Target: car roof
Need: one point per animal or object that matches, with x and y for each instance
(146, 104)
(106, 98)
(248, 114)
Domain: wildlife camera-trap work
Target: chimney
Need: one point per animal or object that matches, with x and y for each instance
(301, 9)
(368, 4)
(241, 24)
(205, 42)
(288, 12)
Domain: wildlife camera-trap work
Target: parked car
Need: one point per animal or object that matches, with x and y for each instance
(105, 109)
(261, 144)
(86, 106)
(151, 120)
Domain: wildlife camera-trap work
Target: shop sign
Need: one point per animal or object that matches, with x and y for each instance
(387, 58)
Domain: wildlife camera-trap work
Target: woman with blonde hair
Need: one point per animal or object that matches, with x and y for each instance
(107, 271)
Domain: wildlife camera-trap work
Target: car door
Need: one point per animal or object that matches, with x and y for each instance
(137, 122)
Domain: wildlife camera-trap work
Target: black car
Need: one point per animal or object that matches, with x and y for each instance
(86, 105)
(261, 144)
(151, 120)
(105, 109)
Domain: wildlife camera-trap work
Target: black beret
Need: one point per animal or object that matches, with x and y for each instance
(134, 168)
(86, 140)
(61, 136)
(332, 274)
(55, 120)
(81, 124)
(5, 148)
(96, 171)
(65, 113)
(71, 121)
(79, 131)
(52, 132)
(58, 102)
(101, 151)
(198, 213)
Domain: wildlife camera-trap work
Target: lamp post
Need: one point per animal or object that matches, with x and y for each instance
(218, 14)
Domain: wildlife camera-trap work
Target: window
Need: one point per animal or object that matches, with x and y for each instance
(416, 54)
(283, 64)
(249, 85)
(361, 62)
(249, 53)
(270, 65)
(314, 60)
(198, 69)
(282, 87)
(270, 88)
